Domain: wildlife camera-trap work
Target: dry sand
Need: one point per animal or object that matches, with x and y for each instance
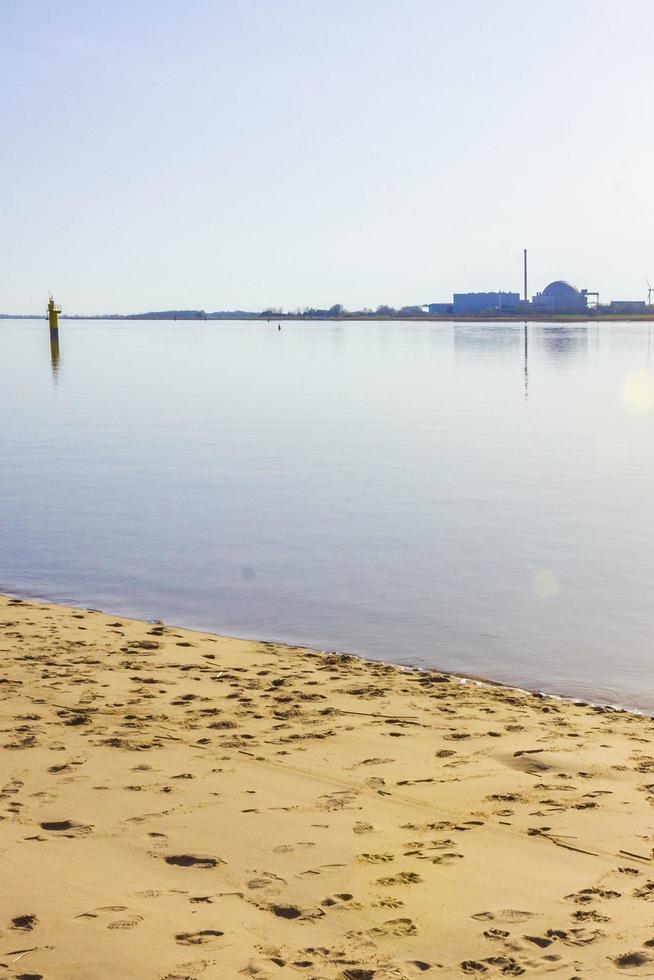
(174, 804)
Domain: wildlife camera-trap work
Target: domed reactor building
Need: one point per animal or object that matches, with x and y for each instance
(561, 297)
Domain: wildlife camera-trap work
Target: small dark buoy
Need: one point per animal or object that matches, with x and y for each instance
(279, 326)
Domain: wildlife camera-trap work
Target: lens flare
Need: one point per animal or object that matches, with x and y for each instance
(546, 584)
(638, 391)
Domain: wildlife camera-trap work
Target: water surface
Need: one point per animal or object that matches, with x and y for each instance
(477, 498)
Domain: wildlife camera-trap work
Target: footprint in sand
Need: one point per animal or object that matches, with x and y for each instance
(572, 937)
(287, 911)
(115, 913)
(576, 937)
(635, 961)
(336, 801)
(144, 644)
(388, 902)
(200, 938)
(506, 965)
(503, 915)
(450, 857)
(24, 922)
(343, 900)
(129, 922)
(266, 879)
(376, 858)
(191, 861)
(418, 966)
(587, 895)
(13, 787)
(403, 878)
(255, 968)
(289, 848)
(395, 927)
(189, 971)
(590, 915)
(66, 828)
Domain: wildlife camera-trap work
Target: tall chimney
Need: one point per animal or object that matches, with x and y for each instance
(525, 275)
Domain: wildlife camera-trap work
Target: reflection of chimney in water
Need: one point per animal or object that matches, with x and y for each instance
(526, 364)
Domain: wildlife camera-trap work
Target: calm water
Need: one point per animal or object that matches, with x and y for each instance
(477, 498)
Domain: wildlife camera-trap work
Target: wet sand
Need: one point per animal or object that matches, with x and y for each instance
(179, 805)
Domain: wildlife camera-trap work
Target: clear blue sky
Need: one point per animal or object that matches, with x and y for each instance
(244, 153)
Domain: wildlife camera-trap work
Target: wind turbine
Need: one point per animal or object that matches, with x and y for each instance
(650, 290)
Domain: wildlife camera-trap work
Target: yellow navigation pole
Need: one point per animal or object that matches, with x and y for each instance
(53, 321)
(53, 314)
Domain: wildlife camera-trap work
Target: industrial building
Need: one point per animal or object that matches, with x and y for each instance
(558, 297)
(628, 306)
(561, 297)
(484, 302)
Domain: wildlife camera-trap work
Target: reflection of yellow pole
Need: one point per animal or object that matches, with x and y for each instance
(53, 314)
(54, 349)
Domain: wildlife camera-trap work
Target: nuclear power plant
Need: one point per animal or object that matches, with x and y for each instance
(561, 297)
(558, 297)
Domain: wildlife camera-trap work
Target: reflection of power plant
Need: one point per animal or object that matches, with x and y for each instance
(560, 343)
(563, 343)
(473, 340)
(53, 323)
(548, 346)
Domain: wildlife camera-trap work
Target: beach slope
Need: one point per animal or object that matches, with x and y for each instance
(180, 805)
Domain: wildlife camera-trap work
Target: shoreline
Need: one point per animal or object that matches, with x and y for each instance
(554, 319)
(480, 679)
(177, 804)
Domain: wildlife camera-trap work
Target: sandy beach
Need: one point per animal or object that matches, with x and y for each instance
(180, 805)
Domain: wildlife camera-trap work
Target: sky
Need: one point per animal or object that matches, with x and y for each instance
(222, 154)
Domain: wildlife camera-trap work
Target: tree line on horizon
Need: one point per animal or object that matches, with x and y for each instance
(335, 311)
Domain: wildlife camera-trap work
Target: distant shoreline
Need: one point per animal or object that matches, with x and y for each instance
(350, 318)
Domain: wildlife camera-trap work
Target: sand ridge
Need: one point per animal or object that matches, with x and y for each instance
(179, 805)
